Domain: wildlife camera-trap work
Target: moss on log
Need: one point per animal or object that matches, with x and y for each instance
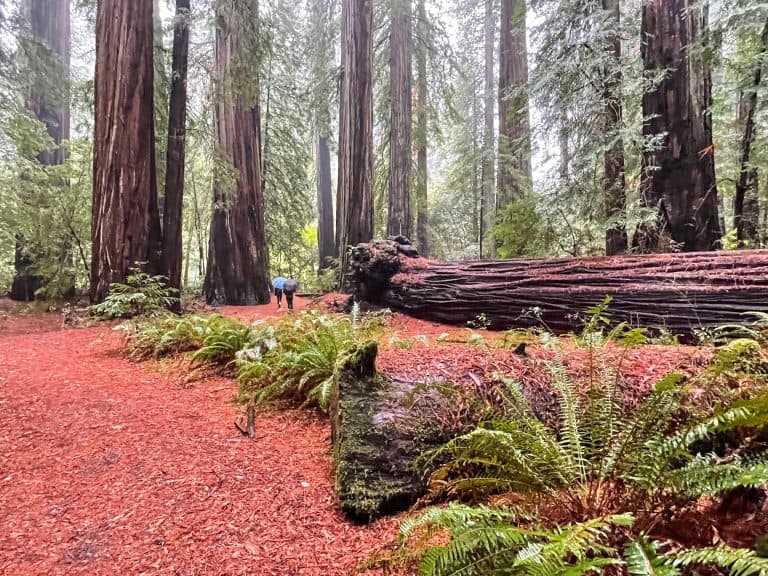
(376, 440)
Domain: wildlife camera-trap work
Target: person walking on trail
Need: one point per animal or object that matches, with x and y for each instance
(277, 285)
(290, 286)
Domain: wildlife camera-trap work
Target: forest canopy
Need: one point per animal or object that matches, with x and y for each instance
(258, 138)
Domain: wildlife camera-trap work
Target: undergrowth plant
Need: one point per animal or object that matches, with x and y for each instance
(141, 295)
(296, 360)
(600, 471)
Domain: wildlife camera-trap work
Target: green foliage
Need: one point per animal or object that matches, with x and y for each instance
(223, 339)
(598, 460)
(598, 329)
(295, 360)
(520, 231)
(164, 336)
(141, 295)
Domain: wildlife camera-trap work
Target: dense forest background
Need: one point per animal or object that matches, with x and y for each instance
(478, 128)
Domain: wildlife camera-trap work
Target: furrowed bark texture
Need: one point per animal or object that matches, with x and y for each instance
(125, 216)
(515, 174)
(400, 87)
(325, 237)
(354, 206)
(174, 174)
(679, 178)
(49, 22)
(746, 211)
(238, 260)
(420, 139)
(613, 157)
(678, 292)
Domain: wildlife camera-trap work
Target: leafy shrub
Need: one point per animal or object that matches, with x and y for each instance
(141, 295)
(296, 360)
(223, 339)
(593, 468)
(166, 336)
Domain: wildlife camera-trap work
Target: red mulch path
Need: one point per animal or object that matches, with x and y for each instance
(112, 467)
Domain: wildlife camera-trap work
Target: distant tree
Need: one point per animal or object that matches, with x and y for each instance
(126, 219)
(515, 175)
(48, 101)
(354, 216)
(422, 128)
(176, 151)
(679, 175)
(323, 81)
(746, 213)
(488, 164)
(238, 259)
(613, 156)
(400, 123)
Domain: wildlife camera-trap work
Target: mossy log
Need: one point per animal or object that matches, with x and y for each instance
(678, 292)
(376, 440)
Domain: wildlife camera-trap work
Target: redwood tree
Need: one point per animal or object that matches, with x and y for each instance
(613, 157)
(488, 216)
(515, 175)
(679, 176)
(48, 101)
(745, 205)
(125, 216)
(354, 207)
(420, 136)
(400, 87)
(174, 169)
(238, 260)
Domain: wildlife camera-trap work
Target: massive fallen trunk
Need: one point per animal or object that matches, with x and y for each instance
(676, 292)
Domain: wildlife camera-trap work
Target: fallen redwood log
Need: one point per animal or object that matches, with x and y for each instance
(678, 292)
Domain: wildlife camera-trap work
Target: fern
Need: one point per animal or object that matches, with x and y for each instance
(735, 561)
(140, 295)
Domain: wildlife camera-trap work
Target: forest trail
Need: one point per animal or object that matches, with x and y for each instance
(113, 467)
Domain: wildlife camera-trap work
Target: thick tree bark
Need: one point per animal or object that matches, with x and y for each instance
(400, 88)
(238, 260)
(515, 174)
(679, 178)
(174, 169)
(125, 216)
(613, 157)
(488, 208)
(677, 292)
(422, 127)
(325, 239)
(48, 101)
(746, 213)
(354, 206)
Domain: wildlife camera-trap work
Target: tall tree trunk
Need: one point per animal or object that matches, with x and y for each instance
(125, 216)
(400, 87)
(354, 206)
(515, 174)
(422, 127)
(238, 259)
(323, 38)
(161, 88)
(48, 101)
(488, 208)
(174, 164)
(613, 157)
(679, 178)
(746, 215)
(325, 239)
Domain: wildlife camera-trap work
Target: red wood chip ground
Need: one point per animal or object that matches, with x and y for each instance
(112, 467)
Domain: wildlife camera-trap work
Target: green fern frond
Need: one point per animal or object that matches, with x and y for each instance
(735, 561)
(642, 559)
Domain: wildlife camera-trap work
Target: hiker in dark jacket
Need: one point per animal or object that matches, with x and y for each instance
(290, 286)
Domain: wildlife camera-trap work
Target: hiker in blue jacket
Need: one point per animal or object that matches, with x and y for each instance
(277, 285)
